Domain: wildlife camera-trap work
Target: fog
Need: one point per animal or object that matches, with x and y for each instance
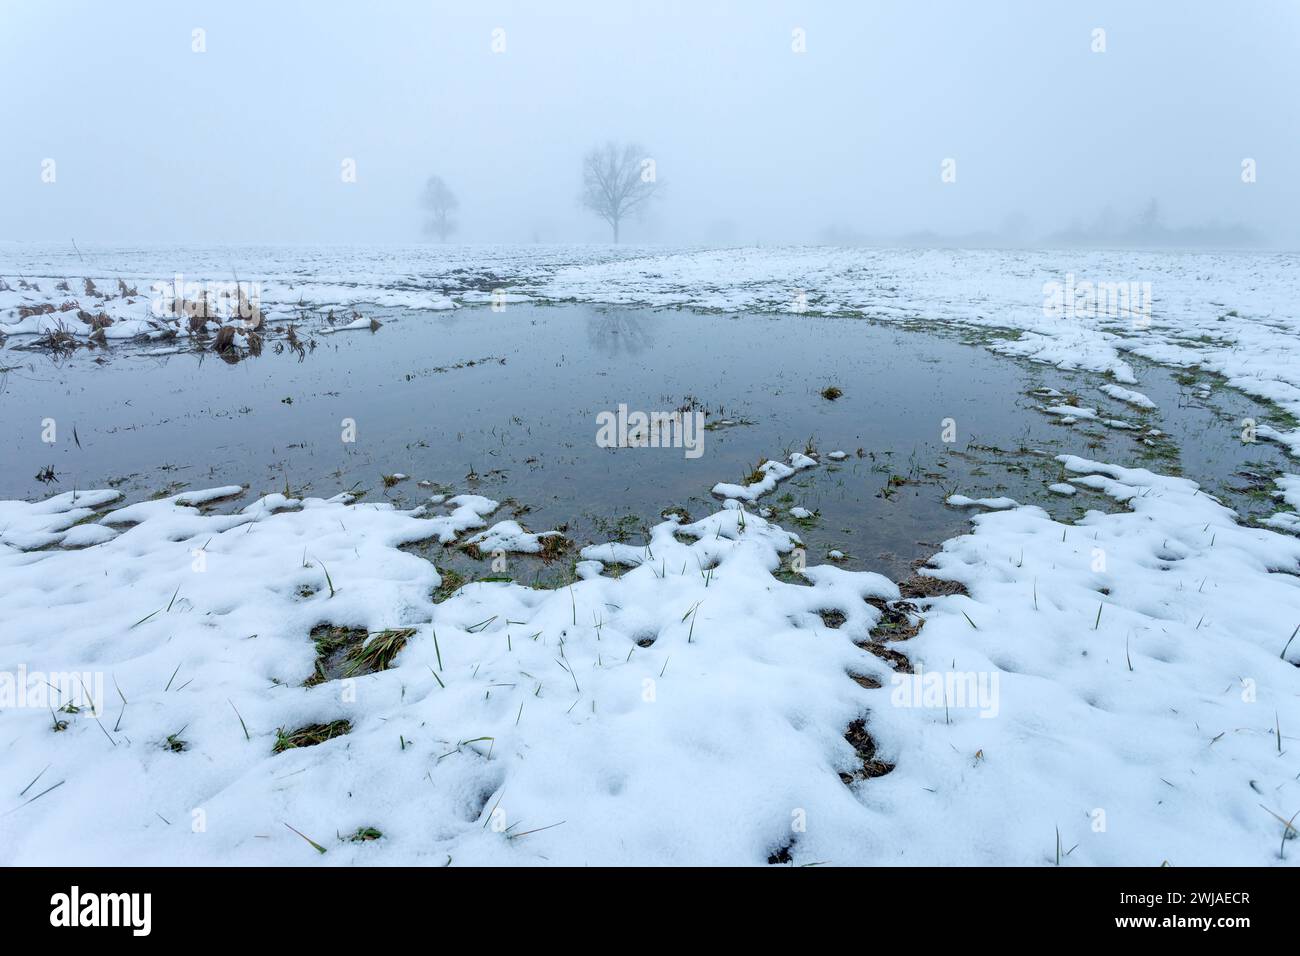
(247, 141)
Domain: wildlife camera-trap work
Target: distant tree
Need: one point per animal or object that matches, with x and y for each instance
(617, 181)
(1149, 218)
(441, 203)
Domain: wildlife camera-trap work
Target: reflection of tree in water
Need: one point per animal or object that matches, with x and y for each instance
(612, 333)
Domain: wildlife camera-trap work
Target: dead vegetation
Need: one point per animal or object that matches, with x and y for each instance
(756, 474)
(924, 586)
(451, 582)
(343, 652)
(333, 645)
(225, 339)
(249, 312)
(27, 311)
(96, 320)
(199, 308)
(865, 747)
(228, 346)
(59, 340)
(553, 546)
(309, 736)
(781, 856)
(898, 621)
(832, 618)
(895, 659)
(378, 653)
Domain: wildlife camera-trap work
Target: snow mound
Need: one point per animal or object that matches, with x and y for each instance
(773, 472)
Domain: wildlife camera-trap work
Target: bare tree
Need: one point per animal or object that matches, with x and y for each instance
(441, 203)
(617, 181)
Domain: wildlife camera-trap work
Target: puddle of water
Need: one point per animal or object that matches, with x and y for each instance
(522, 418)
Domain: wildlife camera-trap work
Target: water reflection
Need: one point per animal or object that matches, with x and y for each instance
(512, 399)
(614, 332)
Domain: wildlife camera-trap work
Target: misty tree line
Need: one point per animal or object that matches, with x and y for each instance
(618, 182)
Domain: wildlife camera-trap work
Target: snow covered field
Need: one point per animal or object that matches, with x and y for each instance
(1121, 689)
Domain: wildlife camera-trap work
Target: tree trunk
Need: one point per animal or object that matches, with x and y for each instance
(615, 232)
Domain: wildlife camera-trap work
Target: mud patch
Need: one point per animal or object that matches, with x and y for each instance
(865, 747)
(893, 658)
(924, 586)
(832, 618)
(898, 621)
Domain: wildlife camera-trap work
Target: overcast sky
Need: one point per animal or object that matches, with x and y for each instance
(753, 141)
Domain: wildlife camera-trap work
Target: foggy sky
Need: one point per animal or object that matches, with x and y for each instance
(753, 142)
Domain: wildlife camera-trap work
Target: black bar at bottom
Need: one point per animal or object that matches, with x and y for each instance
(334, 905)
